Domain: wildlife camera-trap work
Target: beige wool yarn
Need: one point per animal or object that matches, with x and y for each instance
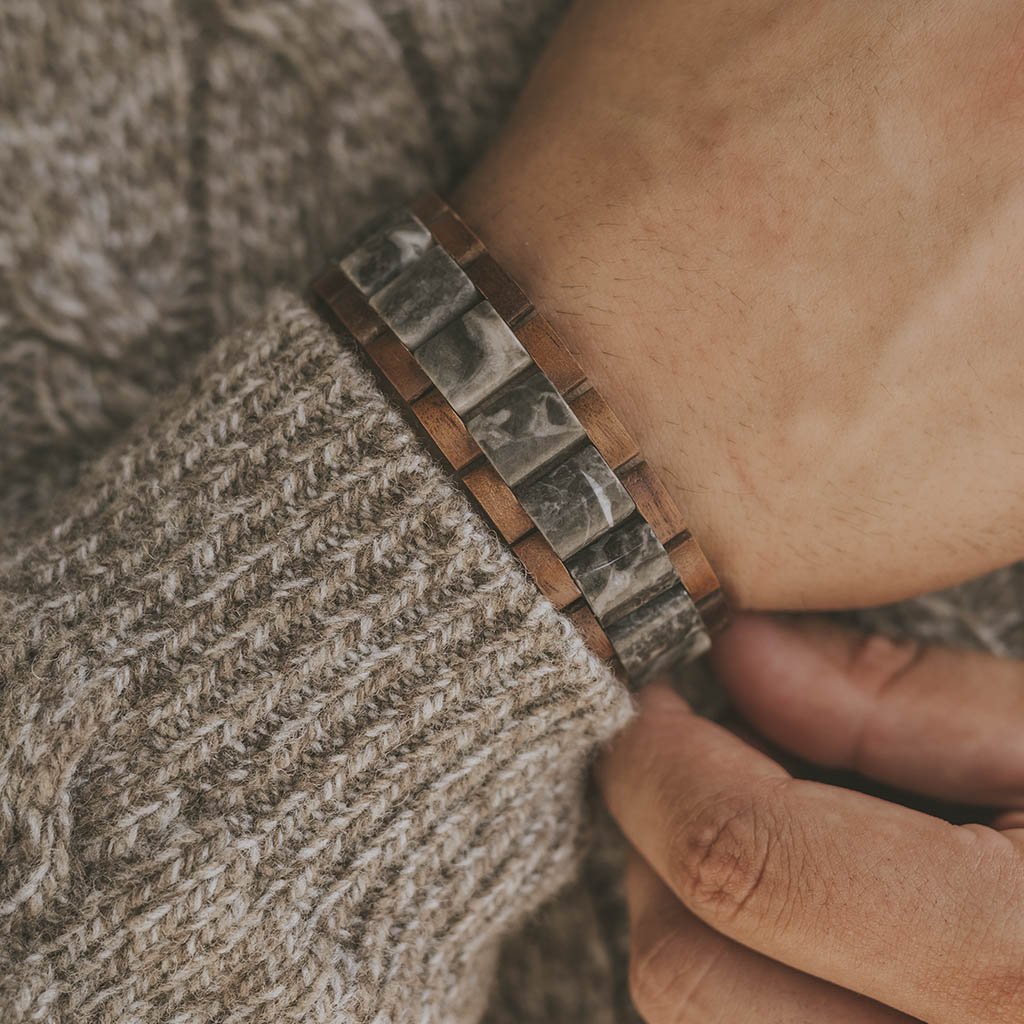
(285, 734)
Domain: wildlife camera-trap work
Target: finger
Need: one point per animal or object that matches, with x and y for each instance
(1009, 821)
(682, 970)
(941, 722)
(909, 910)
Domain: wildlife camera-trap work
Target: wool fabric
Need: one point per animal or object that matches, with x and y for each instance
(285, 734)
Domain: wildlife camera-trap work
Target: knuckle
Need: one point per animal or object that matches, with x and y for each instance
(725, 858)
(878, 663)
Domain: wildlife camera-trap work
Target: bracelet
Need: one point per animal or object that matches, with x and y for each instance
(508, 408)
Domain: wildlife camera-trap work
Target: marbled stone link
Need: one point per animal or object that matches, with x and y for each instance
(383, 256)
(426, 296)
(525, 427)
(622, 569)
(658, 634)
(576, 501)
(471, 358)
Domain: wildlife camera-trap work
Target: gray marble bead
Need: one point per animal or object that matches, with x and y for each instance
(525, 427)
(664, 631)
(622, 569)
(576, 501)
(428, 295)
(472, 357)
(383, 256)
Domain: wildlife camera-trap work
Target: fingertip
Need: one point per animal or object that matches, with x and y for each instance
(786, 677)
(763, 654)
(756, 643)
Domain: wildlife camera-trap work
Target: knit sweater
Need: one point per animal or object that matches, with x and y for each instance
(285, 733)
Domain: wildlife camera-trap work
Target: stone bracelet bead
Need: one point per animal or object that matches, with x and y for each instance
(425, 297)
(525, 427)
(659, 633)
(382, 257)
(622, 569)
(576, 502)
(471, 358)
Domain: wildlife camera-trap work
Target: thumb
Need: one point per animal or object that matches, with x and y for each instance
(940, 722)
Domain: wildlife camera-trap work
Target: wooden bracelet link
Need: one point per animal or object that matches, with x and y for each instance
(544, 458)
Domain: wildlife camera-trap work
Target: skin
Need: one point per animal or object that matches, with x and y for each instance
(785, 240)
(791, 257)
(828, 904)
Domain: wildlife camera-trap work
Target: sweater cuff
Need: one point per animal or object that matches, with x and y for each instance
(286, 733)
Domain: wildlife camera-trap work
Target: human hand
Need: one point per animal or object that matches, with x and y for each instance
(785, 240)
(755, 896)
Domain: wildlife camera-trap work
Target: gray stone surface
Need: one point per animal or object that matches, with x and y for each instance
(622, 569)
(658, 634)
(471, 358)
(525, 427)
(576, 501)
(383, 256)
(425, 297)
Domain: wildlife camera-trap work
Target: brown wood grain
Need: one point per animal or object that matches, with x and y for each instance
(498, 289)
(398, 366)
(451, 233)
(590, 629)
(548, 351)
(653, 501)
(714, 610)
(606, 431)
(428, 206)
(498, 502)
(329, 283)
(445, 429)
(547, 570)
(349, 305)
(691, 566)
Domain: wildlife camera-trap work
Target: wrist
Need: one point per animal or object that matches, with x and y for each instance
(533, 442)
(663, 386)
(814, 347)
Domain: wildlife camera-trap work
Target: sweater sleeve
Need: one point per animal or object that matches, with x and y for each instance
(285, 733)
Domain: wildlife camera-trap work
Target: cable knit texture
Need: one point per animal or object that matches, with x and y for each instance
(284, 734)
(165, 163)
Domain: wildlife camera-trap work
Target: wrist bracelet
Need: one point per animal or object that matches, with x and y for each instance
(544, 458)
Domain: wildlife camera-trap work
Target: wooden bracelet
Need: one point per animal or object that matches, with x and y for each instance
(544, 458)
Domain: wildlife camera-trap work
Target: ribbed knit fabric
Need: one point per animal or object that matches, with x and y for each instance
(164, 164)
(286, 734)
